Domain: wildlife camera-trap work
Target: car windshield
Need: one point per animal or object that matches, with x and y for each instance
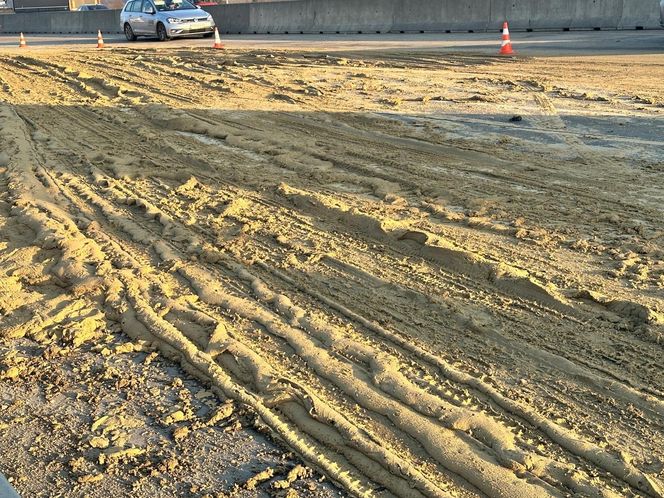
(164, 5)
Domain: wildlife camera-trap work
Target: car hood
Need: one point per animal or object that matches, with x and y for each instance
(185, 14)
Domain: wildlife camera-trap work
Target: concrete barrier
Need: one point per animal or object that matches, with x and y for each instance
(639, 15)
(355, 16)
(108, 21)
(447, 15)
(235, 17)
(359, 16)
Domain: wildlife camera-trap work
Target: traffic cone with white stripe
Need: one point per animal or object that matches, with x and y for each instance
(100, 39)
(217, 39)
(506, 47)
(21, 41)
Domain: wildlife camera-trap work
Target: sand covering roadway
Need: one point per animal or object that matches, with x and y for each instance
(418, 296)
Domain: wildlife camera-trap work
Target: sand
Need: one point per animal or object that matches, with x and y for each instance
(421, 274)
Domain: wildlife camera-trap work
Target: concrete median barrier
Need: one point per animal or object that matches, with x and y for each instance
(602, 14)
(108, 21)
(447, 15)
(378, 16)
(643, 14)
(354, 16)
(235, 18)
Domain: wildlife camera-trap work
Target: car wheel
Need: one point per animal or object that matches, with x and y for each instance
(129, 33)
(161, 32)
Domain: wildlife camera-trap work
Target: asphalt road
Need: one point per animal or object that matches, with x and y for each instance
(540, 43)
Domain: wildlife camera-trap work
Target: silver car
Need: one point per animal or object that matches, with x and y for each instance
(164, 19)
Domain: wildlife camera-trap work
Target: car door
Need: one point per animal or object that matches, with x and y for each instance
(139, 17)
(132, 10)
(149, 17)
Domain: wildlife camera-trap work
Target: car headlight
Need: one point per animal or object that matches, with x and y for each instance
(209, 17)
(174, 20)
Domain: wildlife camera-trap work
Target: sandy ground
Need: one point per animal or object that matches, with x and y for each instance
(419, 274)
(541, 43)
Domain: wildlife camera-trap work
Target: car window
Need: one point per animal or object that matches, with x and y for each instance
(147, 7)
(165, 5)
(136, 7)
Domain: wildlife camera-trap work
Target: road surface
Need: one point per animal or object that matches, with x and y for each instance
(540, 43)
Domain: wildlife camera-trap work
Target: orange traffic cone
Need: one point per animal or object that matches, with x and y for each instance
(21, 41)
(217, 39)
(100, 40)
(506, 47)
